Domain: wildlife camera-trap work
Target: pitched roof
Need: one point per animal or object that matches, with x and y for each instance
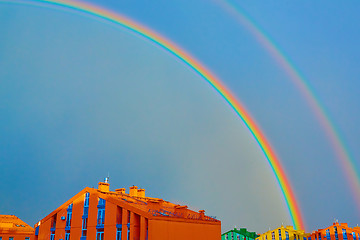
(244, 232)
(11, 223)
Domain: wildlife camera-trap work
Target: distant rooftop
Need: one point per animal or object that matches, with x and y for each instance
(11, 223)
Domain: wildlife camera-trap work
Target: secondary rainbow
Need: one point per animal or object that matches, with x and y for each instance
(346, 162)
(190, 61)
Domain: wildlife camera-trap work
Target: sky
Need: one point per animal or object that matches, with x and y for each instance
(82, 98)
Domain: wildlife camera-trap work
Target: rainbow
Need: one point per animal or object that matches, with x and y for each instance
(190, 61)
(346, 162)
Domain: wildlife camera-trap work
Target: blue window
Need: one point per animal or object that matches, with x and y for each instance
(84, 227)
(344, 234)
(52, 236)
(327, 234)
(101, 212)
(100, 235)
(68, 219)
(354, 235)
(86, 200)
(69, 209)
(273, 235)
(287, 235)
(11, 238)
(67, 235)
(279, 234)
(118, 233)
(0, 238)
(336, 233)
(319, 236)
(27, 238)
(128, 237)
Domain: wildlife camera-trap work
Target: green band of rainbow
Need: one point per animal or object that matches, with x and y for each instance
(125, 22)
(344, 157)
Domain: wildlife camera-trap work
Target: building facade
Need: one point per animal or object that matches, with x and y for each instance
(13, 228)
(239, 234)
(283, 233)
(100, 214)
(337, 231)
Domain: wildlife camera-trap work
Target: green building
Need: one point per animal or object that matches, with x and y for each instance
(239, 234)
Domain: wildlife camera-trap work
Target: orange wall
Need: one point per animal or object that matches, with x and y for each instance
(17, 236)
(173, 230)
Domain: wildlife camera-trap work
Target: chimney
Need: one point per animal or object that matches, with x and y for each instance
(133, 191)
(141, 193)
(104, 186)
(202, 215)
(120, 190)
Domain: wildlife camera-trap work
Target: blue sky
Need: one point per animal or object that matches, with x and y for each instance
(81, 98)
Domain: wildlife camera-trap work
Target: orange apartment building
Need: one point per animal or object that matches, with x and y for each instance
(101, 214)
(13, 228)
(337, 231)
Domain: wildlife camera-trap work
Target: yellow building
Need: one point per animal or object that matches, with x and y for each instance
(283, 233)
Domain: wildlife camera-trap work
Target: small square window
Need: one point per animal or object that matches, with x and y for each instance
(27, 238)
(11, 238)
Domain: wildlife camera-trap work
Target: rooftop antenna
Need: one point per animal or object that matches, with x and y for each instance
(106, 180)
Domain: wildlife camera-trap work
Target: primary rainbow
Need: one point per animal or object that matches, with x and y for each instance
(346, 162)
(190, 61)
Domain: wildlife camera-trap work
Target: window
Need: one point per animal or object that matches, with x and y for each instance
(101, 212)
(100, 235)
(226, 237)
(86, 200)
(273, 235)
(336, 233)
(128, 237)
(328, 234)
(101, 216)
(287, 235)
(11, 238)
(52, 236)
(68, 219)
(354, 235)
(232, 236)
(344, 234)
(118, 233)
(67, 235)
(27, 238)
(319, 236)
(279, 234)
(84, 227)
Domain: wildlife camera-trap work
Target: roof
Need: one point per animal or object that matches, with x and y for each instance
(151, 208)
(287, 228)
(244, 232)
(11, 223)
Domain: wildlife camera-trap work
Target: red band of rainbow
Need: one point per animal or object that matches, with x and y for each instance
(190, 61)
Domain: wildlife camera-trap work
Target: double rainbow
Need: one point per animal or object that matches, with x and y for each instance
(345, 160)
(81, 7)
